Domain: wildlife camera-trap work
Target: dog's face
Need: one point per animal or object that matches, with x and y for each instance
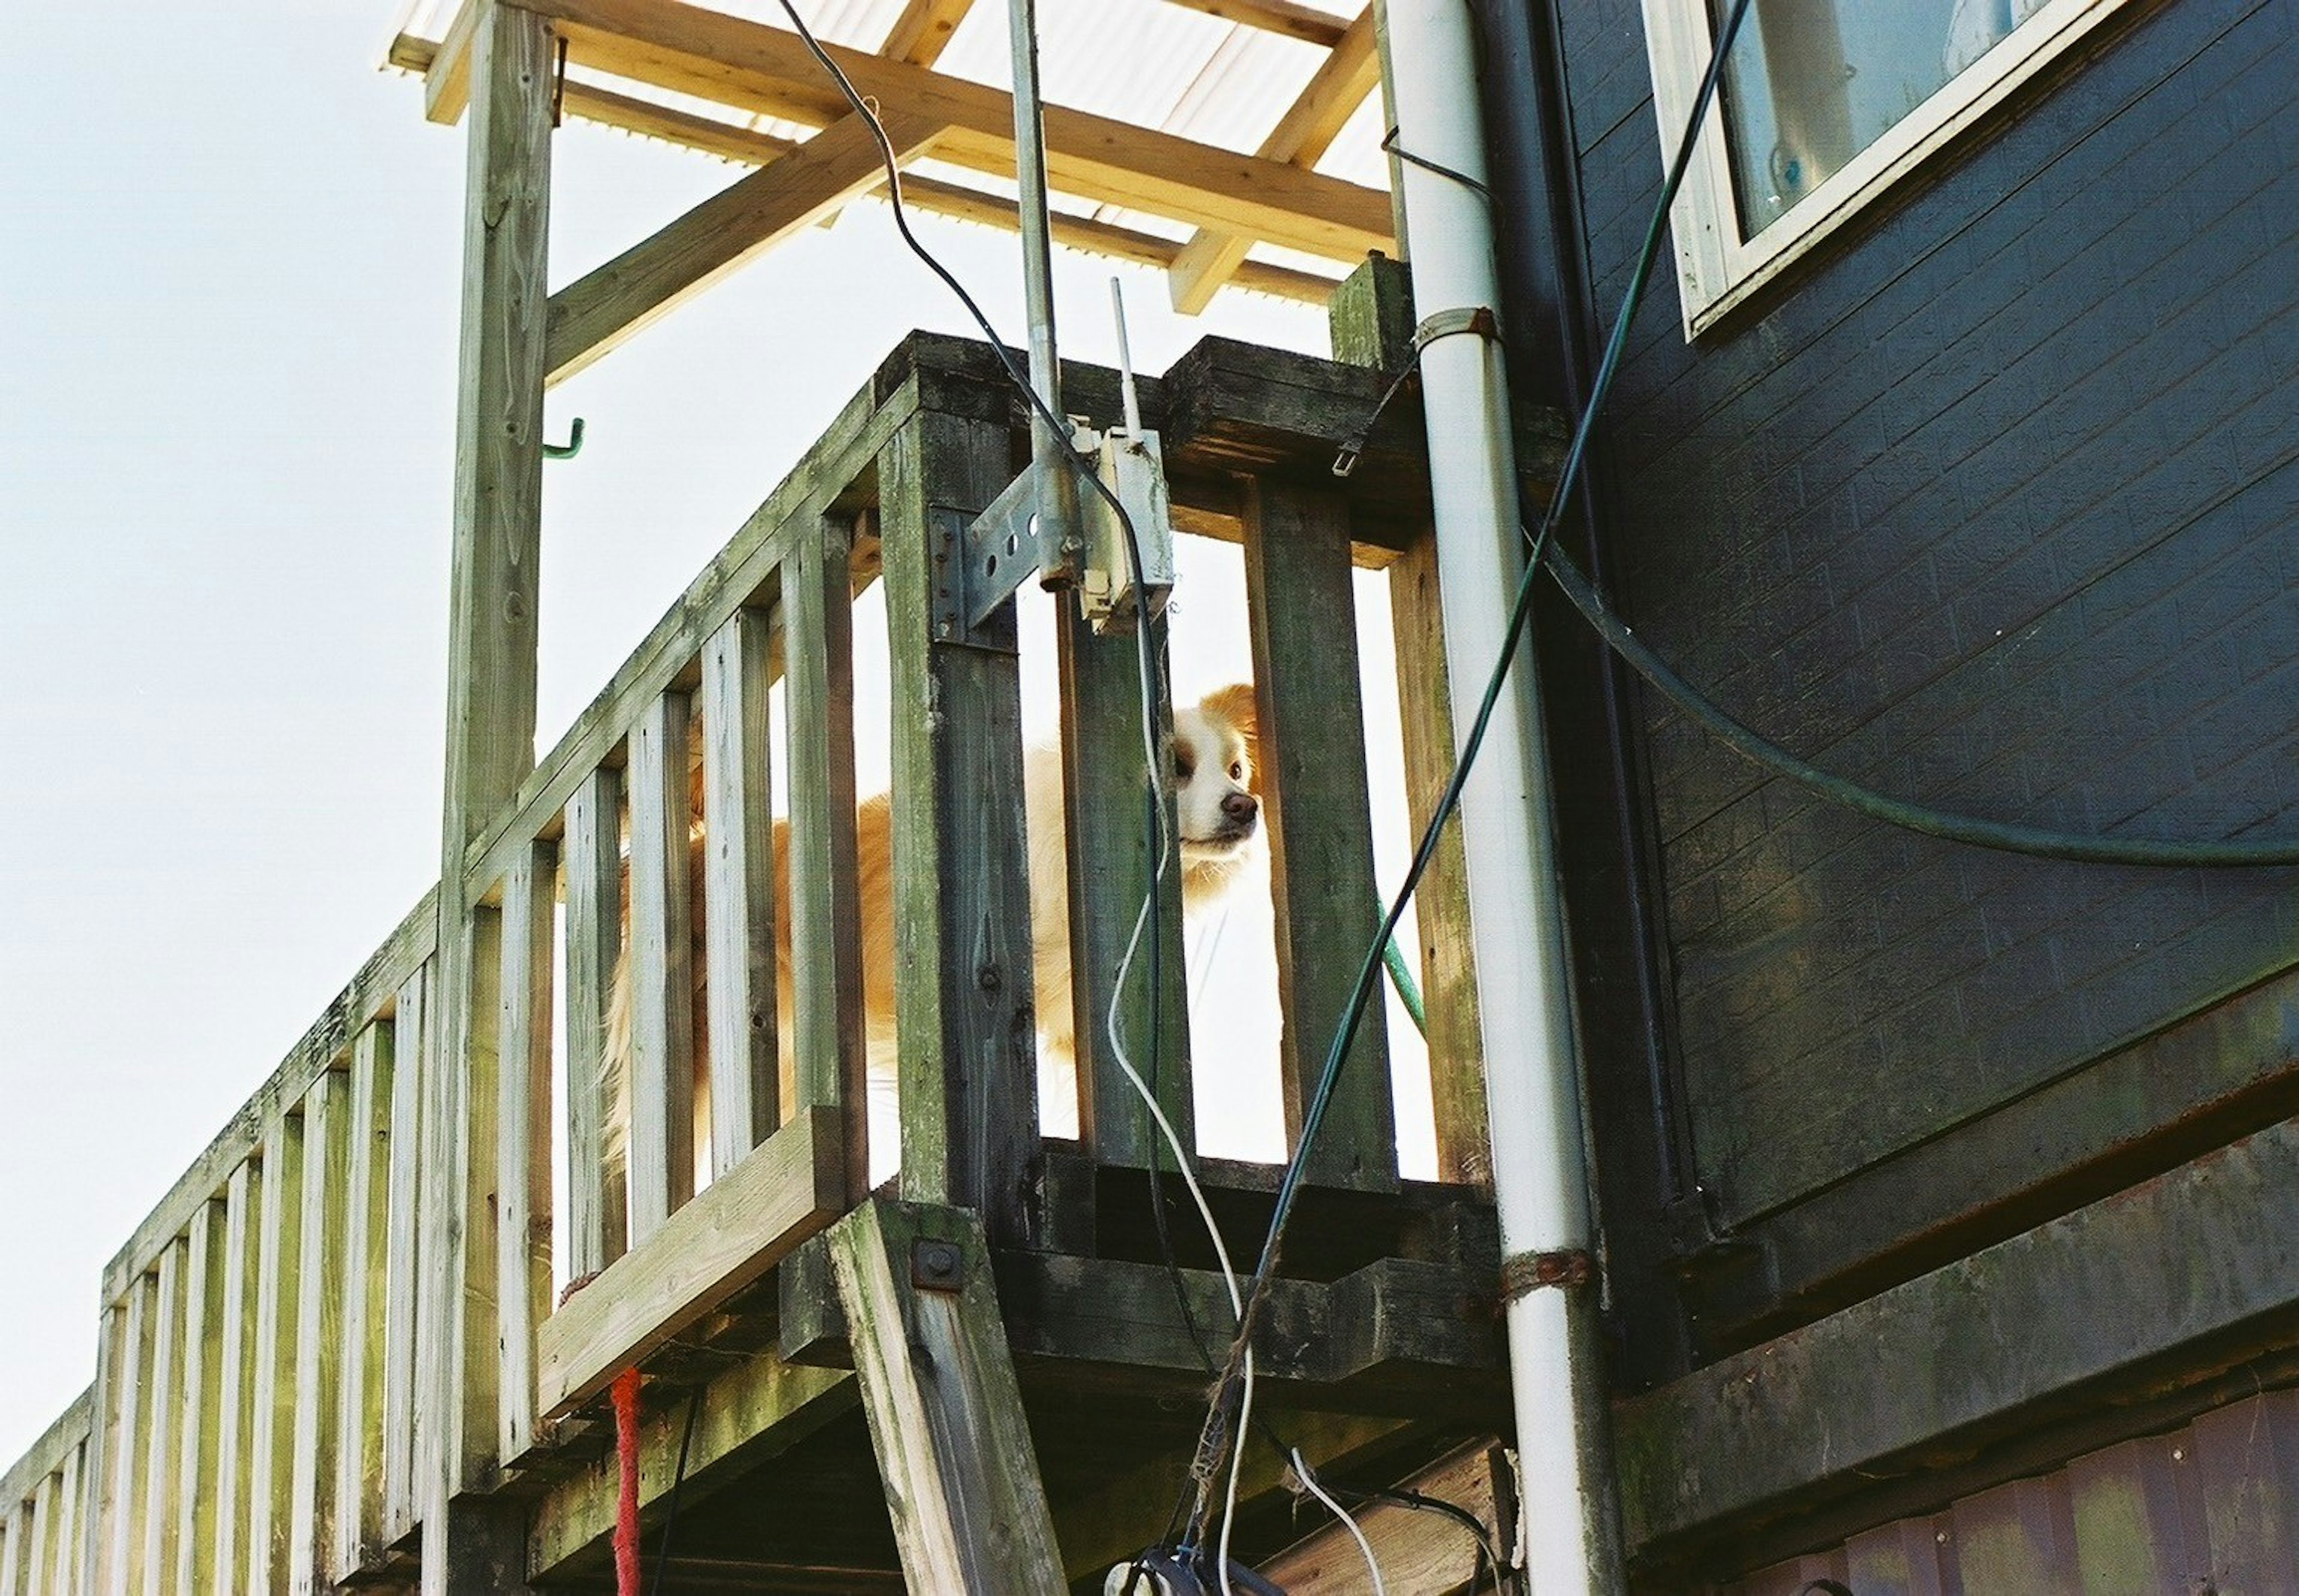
(1214, 783)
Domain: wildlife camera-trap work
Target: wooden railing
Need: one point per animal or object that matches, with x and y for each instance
(270, 1412)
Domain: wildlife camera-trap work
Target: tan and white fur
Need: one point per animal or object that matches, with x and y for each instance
(1219, 814)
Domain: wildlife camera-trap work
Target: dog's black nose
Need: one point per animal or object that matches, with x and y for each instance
(1240, 808)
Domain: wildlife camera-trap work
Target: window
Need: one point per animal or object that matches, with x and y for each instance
(1827, 104)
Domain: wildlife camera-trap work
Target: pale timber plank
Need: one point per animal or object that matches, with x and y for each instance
(163, 1381)
(447, 87)
(660, 1092)
(15, 1536)
(945, 1415)
(825, 913)
(37, 1549)
(363, 1283)
(71, 1500)
(731, 1234)
(594, 937)
(1302, 612)
(200, 1392)
(923, 30)
(738, 897)
(319, 1331)
(523, 1143)
(765, 69)
(1304, 23)
(411, 1048)
(128, 1437)
(606, 307)
(235, 1367)
(271, 1393)
(728, 141)
(1302, 136)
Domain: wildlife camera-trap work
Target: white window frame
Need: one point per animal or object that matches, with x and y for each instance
(1718, 269)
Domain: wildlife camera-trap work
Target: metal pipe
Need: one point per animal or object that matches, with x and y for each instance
(1532, 1088)
(1057, 511)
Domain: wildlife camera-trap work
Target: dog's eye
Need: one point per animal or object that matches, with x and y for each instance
(1237, 769)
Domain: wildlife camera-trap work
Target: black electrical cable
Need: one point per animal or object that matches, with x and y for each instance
(677, 1479)
(1162, 840)
(2003, 836)
(1213, 1439)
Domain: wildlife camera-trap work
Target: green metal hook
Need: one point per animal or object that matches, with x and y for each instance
(571, 447)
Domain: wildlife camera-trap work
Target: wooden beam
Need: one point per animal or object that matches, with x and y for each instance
(1311, 759)
(598, 311)
(733, 1232)
(923, 31)
(1294, 21)
(945, 1413)
(660, 1092)
(768, 70)
(738, 896)
(1302, 136)
(447, 87)
(1417, 1551)
(318, 1350)
(363, 1283)
(523, 1160)
(714, 135)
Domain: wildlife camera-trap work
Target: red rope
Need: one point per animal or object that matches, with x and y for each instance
(626, 1505)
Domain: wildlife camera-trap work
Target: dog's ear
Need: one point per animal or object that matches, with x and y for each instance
(1234, 707)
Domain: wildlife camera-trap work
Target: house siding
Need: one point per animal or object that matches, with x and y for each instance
(1993, 505)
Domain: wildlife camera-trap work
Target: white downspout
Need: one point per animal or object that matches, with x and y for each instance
(1540, 1181)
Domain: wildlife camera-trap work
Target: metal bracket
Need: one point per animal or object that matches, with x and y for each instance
(1132, 467)
(982, 561)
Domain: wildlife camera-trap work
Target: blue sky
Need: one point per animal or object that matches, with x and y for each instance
(229, 259)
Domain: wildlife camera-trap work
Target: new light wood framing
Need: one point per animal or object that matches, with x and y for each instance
(766, 71)
(1303, 134)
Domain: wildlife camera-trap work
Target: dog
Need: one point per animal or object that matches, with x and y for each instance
(1217, 811)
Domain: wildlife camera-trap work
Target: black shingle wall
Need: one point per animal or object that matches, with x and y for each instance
(1994, 506)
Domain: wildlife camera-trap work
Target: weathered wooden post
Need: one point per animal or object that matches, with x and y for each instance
(470, 1545)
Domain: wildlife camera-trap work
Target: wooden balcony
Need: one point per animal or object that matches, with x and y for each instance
(281, 1398)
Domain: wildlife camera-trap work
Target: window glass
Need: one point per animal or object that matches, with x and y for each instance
(1812, 83)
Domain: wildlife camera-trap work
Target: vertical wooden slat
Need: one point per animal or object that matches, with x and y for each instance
(127, 1439)
(37, 1553)
(67, 1562)
(195, 1445)
(738, 895)
(271, 1452)
(661, 1092)
(1110, 863)
(826, 936)
(409, 1048)
(962, 955)
(318, 1329)
(456, 1356)
(15, 1535)
(243, 1206)
(1302, 609)
(523, 1137)
(95, 1463)
(163, 1384)
(361, 1283)
(1448, 971)
(594, 937)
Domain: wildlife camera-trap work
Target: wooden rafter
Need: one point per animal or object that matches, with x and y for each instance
(767, 70)
(1274, 16)
(647, 281)
(1302, 136)
(727, 141)
(923, 29)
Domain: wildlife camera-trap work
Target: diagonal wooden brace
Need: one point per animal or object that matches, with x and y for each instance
(945, 1413)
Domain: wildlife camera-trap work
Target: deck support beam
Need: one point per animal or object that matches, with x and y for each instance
(490, 748)
(944, 1410)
